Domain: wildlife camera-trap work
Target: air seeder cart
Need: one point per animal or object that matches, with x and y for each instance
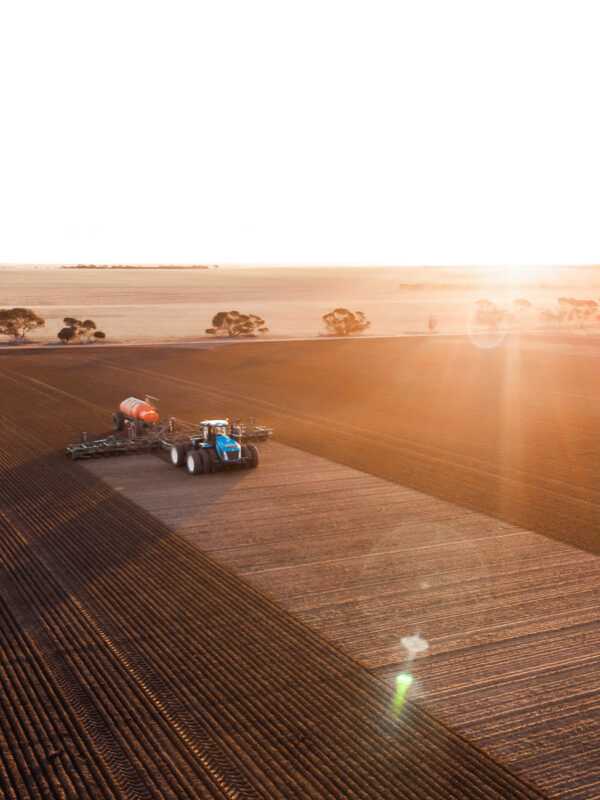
(205, 447)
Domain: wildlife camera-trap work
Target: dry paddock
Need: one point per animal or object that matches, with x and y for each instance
(124, 641)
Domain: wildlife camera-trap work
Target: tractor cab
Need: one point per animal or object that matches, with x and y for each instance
(213, 428)
(217, 436)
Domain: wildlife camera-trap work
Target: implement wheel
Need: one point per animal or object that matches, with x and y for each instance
(118, 420)
(193, 462)
(178, 453)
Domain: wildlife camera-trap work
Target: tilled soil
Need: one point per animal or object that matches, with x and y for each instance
(511, 618)
(134, 666)
(512, 431)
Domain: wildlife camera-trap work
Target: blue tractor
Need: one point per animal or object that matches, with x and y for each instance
(219, 446)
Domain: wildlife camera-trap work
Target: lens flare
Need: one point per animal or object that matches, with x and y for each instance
(414, 645)
(403, 682)
(485, 337)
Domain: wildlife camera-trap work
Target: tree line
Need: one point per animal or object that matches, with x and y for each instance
(569, 310)
(339, 322)
(18, 322)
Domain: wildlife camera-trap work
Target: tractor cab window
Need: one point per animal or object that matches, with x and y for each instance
(220, 430)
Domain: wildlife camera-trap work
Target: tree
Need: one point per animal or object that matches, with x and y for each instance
(79, 330)
(571, 310)
(232, 323)
(66, 334)
(341, 322)
(580, 310)
(17, 322)
(522, 304)
(76, 326)
(487, 315)
(87, 326)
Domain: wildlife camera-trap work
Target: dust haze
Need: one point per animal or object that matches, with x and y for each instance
(169, 305)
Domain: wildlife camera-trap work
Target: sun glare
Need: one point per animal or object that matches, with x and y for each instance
(516, 274)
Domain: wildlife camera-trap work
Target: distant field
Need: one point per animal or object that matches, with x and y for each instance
(169, 305)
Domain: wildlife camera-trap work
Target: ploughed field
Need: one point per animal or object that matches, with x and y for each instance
(135, 666)
(511, 618)
(510, 431)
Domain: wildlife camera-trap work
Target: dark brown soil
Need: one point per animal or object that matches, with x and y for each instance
(135, 666)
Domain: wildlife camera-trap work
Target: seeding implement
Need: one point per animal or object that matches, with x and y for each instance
(205, 447)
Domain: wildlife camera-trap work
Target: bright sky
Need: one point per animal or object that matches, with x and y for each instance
(320, 132)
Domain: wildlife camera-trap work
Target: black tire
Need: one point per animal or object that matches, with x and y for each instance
(193, 462)
(205, 459)
(215, 461)
(246, 457)
(253, 453)
(178, 453)
(118, 420)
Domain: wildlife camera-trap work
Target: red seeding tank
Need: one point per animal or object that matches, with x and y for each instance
(139, 409)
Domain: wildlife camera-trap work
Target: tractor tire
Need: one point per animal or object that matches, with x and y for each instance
(193, 462)
(118, 420)
(253, 453)
(215, 461)
(205, 459)
(246, 457)
(178, 454)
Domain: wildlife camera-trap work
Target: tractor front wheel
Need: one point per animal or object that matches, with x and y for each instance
(249, 456)
(214, 460)
(253, 453)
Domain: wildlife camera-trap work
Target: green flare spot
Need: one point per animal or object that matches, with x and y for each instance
(403, 681)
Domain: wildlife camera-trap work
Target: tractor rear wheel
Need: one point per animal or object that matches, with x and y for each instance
(178, 452)
(205, 459)
(118, 420)
(193, 462)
